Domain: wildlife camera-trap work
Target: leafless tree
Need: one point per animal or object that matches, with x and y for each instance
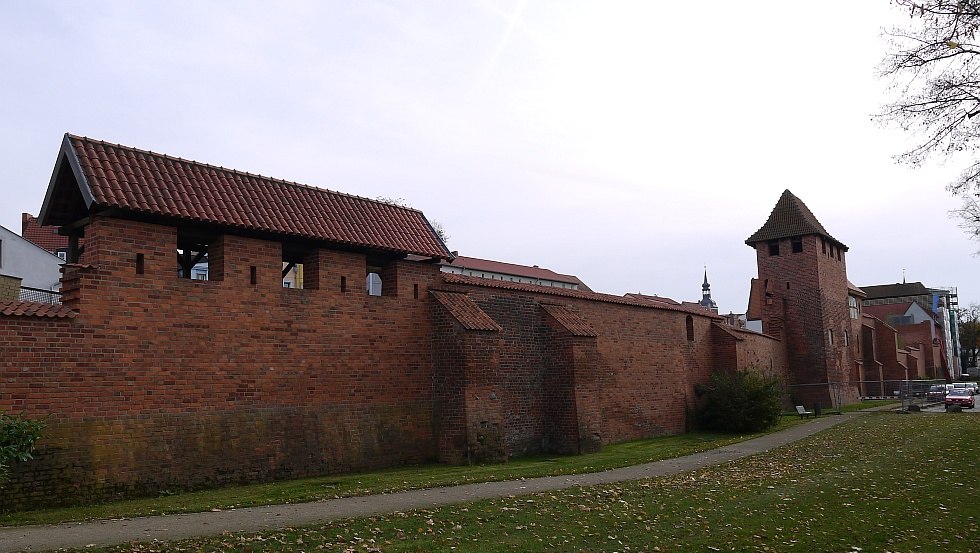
(969, 319)
(934, 67)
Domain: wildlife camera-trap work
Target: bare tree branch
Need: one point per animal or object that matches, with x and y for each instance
(934, 63)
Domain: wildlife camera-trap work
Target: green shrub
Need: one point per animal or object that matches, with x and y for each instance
(17, 437)
(740, 401)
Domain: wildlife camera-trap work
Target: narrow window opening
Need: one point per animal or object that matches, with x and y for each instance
(823, 246)
(252, 276)
(415, 291)
(689, 322)
(373, 284)
(838, 254)
(139, 263)
(292, 274)
(797, 244)
(774, 247)
(343, 284)
(845, 338)
(830, 335)
(787, 285)
(192, 253)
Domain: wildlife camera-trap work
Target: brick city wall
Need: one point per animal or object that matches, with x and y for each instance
(163, 383)
(635, 379)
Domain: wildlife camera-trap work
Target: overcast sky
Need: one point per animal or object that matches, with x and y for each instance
(627, 143)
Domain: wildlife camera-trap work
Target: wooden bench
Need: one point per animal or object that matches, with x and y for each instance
(803, 413)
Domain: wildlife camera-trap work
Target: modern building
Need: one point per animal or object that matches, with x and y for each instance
(36, 268)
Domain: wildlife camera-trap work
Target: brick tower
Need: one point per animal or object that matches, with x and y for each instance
(801, 298)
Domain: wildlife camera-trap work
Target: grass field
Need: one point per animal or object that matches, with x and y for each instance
(882, 482)
(397, 479)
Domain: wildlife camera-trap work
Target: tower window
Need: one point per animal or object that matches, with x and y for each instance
(830, 335)
(690, 328)
(774, 247)
(797, 244)
(823, 245)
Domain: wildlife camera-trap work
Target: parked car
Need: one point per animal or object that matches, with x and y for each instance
(936, 392)
(961, 397)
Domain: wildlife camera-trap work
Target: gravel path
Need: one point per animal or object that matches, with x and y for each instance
(251, 519)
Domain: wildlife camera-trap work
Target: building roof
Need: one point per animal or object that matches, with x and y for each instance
(92, 176)
(535, 272)
(35, 309)
(895, 290)
(450, 278)
(465, 311)
(655, 299)
(43, 237)
(791, 217)
(854, 290)
(885, 311)
(568, 319)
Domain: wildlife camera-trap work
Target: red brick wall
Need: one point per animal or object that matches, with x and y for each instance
(645, 374)
(809, 297)
(921, 335)
(162, 383)
(167, 383)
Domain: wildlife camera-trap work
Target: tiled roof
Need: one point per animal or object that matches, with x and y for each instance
(895, 290)
(465, 310)
(887, 310)
(144, 183)
(568, 319)
(450, 278)
(34, 309)
(44, 237)
(854, 290)
(791, 217)
(654, 299)
(513, 269)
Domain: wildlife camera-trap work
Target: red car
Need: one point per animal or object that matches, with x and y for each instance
(959, 396)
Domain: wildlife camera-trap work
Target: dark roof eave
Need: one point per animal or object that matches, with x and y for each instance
(66, 154)
(752, 240)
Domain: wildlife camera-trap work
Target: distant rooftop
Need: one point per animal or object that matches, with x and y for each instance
(895, 290)
(515, 270)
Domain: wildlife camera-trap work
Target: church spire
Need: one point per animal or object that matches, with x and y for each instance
(706, 300)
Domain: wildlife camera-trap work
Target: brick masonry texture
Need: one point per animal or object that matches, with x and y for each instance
(9, 287)
(160, 383)
(166, 383)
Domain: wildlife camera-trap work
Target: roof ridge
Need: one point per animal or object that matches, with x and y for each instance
(238, 171)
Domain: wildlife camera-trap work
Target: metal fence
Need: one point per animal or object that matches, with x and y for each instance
(38, 295)
(829, 396)
(921, 392)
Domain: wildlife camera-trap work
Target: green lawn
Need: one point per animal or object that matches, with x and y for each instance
(881, 482)
(404, 478)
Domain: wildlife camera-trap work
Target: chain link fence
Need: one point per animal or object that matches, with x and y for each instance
(39, 296)
(829, 396)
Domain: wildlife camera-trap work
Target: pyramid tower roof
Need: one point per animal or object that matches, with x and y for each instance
(791, 217)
